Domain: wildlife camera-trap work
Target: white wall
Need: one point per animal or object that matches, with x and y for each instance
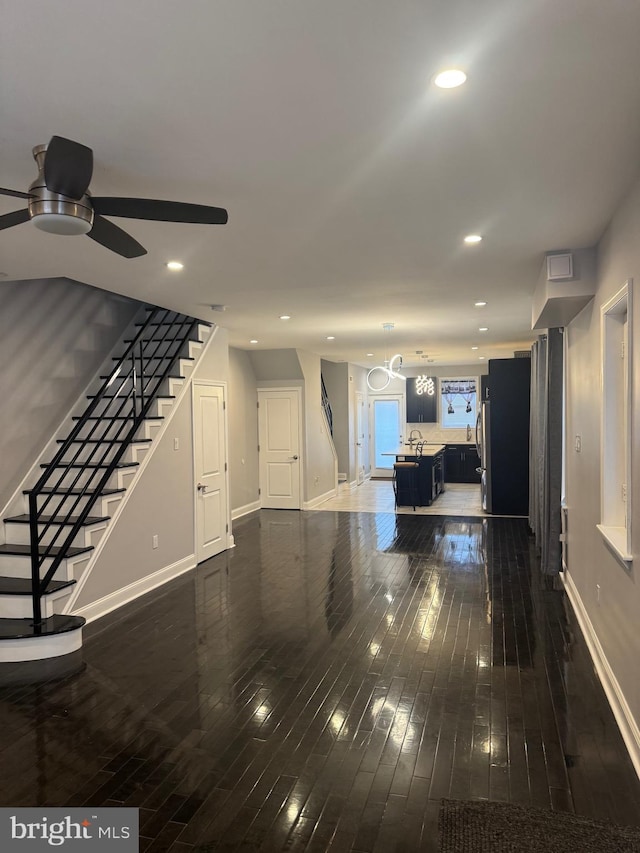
(320, 477)
(53, 337)
(242, 411)
(336, 382)
(612, 622)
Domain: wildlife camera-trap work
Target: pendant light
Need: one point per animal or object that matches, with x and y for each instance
(379, 377)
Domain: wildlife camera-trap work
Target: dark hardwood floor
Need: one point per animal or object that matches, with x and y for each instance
(321, 687)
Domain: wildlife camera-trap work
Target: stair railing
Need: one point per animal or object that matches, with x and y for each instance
(326, 405)
(146, 363)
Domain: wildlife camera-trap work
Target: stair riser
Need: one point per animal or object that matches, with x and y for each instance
(79, 479)
(18, 534)
(107, 431)
(20, 567)
(94, 453)
(103, 506)
(111, 408)
(40, 648)
(167, 387)
(21, 606)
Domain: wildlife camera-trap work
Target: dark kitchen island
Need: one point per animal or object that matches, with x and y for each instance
(429, 476)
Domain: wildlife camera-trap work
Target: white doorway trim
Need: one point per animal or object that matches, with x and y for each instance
(226, 538)
(285, 460)
(373, 399)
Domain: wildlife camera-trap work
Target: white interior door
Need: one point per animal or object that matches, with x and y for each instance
(360, 441)
(210, 470)
(387, 433)
(279, 447)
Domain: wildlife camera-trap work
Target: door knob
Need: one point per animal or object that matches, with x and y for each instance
(294, 458)
(201, 488)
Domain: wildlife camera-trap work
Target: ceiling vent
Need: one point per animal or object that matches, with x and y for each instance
(560, 267)
(522, 353)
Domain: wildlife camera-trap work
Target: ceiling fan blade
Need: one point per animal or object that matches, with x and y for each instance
(160, 211)
(15, 218)
(68, 167)
(15, 193)
(114, 238)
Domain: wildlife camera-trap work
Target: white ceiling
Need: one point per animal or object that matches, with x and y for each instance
(350, 180)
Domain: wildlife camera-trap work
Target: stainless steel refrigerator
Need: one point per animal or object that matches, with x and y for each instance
(483, 447)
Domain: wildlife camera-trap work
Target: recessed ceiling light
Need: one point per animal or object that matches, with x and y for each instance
(331, 337)
(285, 317)
(480, 304)
(369, 355)
(480, 357)
(450, 78)
(474, 347)
(175, 265)
(473, 238)
(483, 329)
(253, 341)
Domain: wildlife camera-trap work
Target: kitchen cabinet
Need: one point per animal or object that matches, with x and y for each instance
(461, 461)
(430, 478)
(421, 408)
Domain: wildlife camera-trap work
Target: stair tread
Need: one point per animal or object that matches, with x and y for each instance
(158, 357)
(175, 322)
(95, 466)
(124, 396)
(150, 376)
(16, 629)
(58, 519)
(105, 441)
(75, 492)
(25, 550)
(22, 586)
(116, 418)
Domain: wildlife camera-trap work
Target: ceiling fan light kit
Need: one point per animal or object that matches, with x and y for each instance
(59, 202)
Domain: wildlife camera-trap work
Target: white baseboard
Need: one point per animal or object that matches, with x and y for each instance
(314, 502)
(621, 711)
(239, 511)
(129, 593)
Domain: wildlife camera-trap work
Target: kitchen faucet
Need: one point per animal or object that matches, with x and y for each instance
(412, 437)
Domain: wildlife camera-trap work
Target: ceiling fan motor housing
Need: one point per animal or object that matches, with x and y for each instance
(54, 212)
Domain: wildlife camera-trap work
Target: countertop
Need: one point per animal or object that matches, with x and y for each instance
(427, 450)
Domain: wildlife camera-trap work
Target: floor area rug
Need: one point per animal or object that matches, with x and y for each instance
(486, 827)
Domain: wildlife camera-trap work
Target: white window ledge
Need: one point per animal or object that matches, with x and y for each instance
(616, 538)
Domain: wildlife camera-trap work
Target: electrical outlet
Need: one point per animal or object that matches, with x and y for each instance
(176, 444)
(154, 541)
(578, 443)
(597, 593)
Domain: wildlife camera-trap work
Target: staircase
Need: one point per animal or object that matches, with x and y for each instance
(68, 508)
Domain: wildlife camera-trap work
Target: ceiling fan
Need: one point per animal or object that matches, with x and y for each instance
(59, 201)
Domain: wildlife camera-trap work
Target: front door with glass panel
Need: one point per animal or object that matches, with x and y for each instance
(387, 433)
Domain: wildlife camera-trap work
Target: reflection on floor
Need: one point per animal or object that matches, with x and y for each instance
(377, 496)
(321, 687)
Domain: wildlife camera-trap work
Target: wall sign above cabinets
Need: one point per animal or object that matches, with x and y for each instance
(422, 403)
